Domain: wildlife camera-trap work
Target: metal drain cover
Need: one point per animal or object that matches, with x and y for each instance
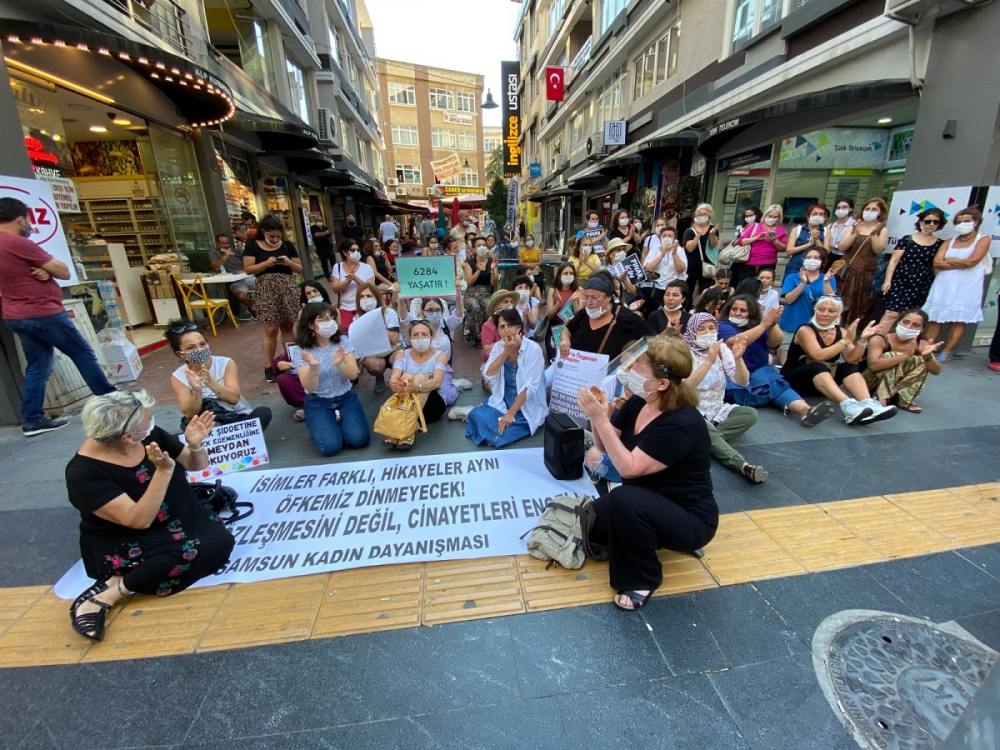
(898, 682)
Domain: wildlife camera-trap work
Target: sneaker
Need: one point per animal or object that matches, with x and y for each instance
(460, 413)
(879, 412)
(942, 357)
(46, 425)
(462, 384)
(268, 374)
(823, 410)
(756, 474)
(854, 411)
(995, 366)
(300, 415)
(244, 318)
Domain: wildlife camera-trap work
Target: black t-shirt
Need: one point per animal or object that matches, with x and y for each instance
(630, 327)
(658, 321)
(355, 233)
(679, 439)
(323, 244)
(259, 255)
(484, 276)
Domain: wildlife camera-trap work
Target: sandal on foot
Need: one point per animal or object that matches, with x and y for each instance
(300, 415)
(405, 444)
(638, 601)
(391, 442)
(756, 474)
(379, 386)
(912, 408)
(90, 625)
(98, 588)
(823, 410)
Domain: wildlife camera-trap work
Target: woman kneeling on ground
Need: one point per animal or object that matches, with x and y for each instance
(419, 370)
(326, 366)
(823, 361)
(658, 444)
(516, 374)
(142, 528)
(898, 362)
(207, 382)
(370, 301)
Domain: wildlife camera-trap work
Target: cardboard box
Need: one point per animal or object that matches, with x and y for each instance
(124, 361)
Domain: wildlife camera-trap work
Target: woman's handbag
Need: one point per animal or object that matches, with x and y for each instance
(400, 417)
(847, 265)
(221, 502)
(709, 264)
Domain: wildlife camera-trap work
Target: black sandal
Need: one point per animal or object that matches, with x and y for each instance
(90, 625)
(98, 588)
(636, 600)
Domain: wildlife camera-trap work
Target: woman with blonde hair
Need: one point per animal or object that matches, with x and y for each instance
(766, 238)
(861, 246)
(657, 446)
(701, 243)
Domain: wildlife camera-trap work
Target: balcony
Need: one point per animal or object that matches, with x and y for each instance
(166, 20)
(578, 62)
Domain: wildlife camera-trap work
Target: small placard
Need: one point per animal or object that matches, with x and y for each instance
(426, 276)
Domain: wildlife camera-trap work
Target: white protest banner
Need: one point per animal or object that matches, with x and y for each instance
(231, 447)
(344, 515)
(907, 204)
(46, 226)
(578, 370)
(369, 336)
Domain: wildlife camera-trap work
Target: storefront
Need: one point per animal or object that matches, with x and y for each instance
(237, 181)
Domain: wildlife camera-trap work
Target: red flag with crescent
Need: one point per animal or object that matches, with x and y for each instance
(555, 84)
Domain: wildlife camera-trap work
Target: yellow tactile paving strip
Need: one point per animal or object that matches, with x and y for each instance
(750, 546)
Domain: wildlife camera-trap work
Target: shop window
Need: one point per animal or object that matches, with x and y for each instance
(402, 93)
(405, 135)
(444, 138)
(657, 63)
(441, 99)
(408, 174)
(467, 141)
(466, 102)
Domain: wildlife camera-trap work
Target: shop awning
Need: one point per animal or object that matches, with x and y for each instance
(619, 166)
(668, 144)
(96, 65)
(307, 161)
(406, 208)
(274, 135)
(335, 178)
(559, 192)
(800, 114)
(588, 181)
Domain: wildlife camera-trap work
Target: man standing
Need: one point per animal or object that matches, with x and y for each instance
(32, 308)
(323, 240)
(426, 229)
(388, 229)
(223, 258)
(353, 232)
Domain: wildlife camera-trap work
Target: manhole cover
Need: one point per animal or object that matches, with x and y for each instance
(898, 682)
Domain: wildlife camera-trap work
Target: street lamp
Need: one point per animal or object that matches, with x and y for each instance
(489, 103)
(467, 165)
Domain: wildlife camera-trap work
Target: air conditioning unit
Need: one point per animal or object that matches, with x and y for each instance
(559, 162)
(392, 182)
(915, 12)
(434, 191)
(325, 126)
(400, 191)
(595, 145)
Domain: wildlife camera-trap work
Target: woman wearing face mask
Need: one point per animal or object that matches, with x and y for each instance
(602, 327)
(326, 366)
(899, 361)
(807, 236)
(844, 220)
(669, 262)
(433, 246)
(289, 385)
(530, 257)
(910, 274)
(623, 228)
(370, 301)
(713, 363)
(823, 361)
(861, 246)
(142, 530)
(515, 371)
(481, 275)
(274, 261)
(419, 370)
(956, 294)
(206, 382)
(585, 261)
(444, 323)
(594, 231)
(347, 276)
(801, 294)
(673, 316)
(701, 243)
(563, 290)
(751, 215)
(375, 257)
(658, 446)
(741, 319)
(766, 239)
(527, 304)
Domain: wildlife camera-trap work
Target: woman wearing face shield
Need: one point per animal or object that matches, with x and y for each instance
(142, 529)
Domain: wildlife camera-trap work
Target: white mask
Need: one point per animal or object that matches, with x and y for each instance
(738, 322)
(421, 345)
(149, 431)
(812, 264)
(594, 312)
(812, 322)
(675, 308)
(842, 213)
(355, 256)
(617, 257)
(905, 333)
(705, 340)
(622, 376)
(585, 250)
(701, 220)
(770, 220)
(523, 294)
(623, 222)
(529, 243)
(869, 215)
(638, 225)
(482, 252)
(816, 221)
(965, 227)
(636, 383)
(433, 246)
(659, 228)
(592, 224)
(566, 279)
(434, 317)
(368, 304)
(327, 328)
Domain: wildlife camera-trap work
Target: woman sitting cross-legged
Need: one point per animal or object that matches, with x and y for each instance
(713, 363)
(516, 373)
(326, 366)
(420, 370)
(823, 361)
(898, 362)
(142, 528)
(658, 444)
(207, 382)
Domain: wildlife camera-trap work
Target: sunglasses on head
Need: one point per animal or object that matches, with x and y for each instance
(135, 400)
(181, 329)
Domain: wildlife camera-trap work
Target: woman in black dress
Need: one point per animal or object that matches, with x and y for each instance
(142, 530)
(911, 269)
(658, 443)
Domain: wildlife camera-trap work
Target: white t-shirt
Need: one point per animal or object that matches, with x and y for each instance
(666, 266)
(349, 297)
(388, 230)
(217, 366)
(769, 300)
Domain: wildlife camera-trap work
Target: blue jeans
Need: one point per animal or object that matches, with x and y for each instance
(604, 470)
(38, 338)
(327, 435)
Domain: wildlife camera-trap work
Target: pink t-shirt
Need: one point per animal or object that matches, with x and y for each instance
(762, 252)
(23, 295)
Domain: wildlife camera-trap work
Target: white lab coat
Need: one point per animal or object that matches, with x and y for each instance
(530, 378)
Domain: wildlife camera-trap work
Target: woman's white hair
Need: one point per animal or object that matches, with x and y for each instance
(106, 418)
(828, 300)
(775, 208)
(705, 207)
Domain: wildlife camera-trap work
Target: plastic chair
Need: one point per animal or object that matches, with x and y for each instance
(196, 288)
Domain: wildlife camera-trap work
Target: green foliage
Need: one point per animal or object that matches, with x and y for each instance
(494, 168)
(496, 201)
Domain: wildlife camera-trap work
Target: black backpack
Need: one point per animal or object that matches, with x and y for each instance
(563, 446)
(221, 501)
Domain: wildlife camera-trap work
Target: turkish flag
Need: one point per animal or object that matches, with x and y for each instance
(554, 84)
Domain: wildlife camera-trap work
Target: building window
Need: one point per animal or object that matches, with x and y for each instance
(405, 135)
(576, 129)
(555, 15)
(467, 141)
(753, 17)
(402, 93)
(297, 84)
(610, 9)
(608, 99)
(331, 34)
(408, 174)
(441, 99)
(345, 133)
(469, 178)
(657, 63)
(444, 138)
(466, 102)
(491, 144)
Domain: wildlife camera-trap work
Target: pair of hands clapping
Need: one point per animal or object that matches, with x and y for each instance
(197, 430)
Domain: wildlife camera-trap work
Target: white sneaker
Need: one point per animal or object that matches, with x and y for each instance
(879, 412)
(460, 413)
(462, 384)
(854, 411)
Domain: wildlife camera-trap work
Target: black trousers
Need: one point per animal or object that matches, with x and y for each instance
(161, 575)
(635, 522)
(995, 344)
(740, 271)
(435, 407)
(801, 377)
(327, 261)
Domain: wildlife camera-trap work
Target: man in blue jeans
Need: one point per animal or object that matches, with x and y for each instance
(31, 306)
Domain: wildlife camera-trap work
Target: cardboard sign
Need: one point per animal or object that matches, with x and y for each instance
(632, 266)
(426, 276)
(231, 447)
(566, 314)
(46, 225)
(369, 336)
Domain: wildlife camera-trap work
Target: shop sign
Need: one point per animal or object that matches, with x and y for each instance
(745, 159)
(46, 226)
(749, 172)
(453, 118)
(306, 222)
(614, 132)
(459, 190)
(510, 72)
(900, 141)
(64, 194)
(535, 169)
(906, 204)
(851, 172)
(836, 148)
(722, 127)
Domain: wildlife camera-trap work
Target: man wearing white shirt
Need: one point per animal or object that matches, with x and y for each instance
(388, 229)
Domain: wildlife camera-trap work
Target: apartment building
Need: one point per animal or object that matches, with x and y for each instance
(492, 140)
(431, 115)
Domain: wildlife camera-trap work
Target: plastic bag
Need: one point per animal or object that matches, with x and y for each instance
(111, 337)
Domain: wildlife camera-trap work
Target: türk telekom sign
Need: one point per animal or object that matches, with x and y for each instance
(47, 228)
(510, 73)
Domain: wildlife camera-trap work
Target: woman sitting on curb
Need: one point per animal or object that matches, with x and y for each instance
(207, 382)
(898, 362)
(516, 373)
(326, 366)
(419, 370)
